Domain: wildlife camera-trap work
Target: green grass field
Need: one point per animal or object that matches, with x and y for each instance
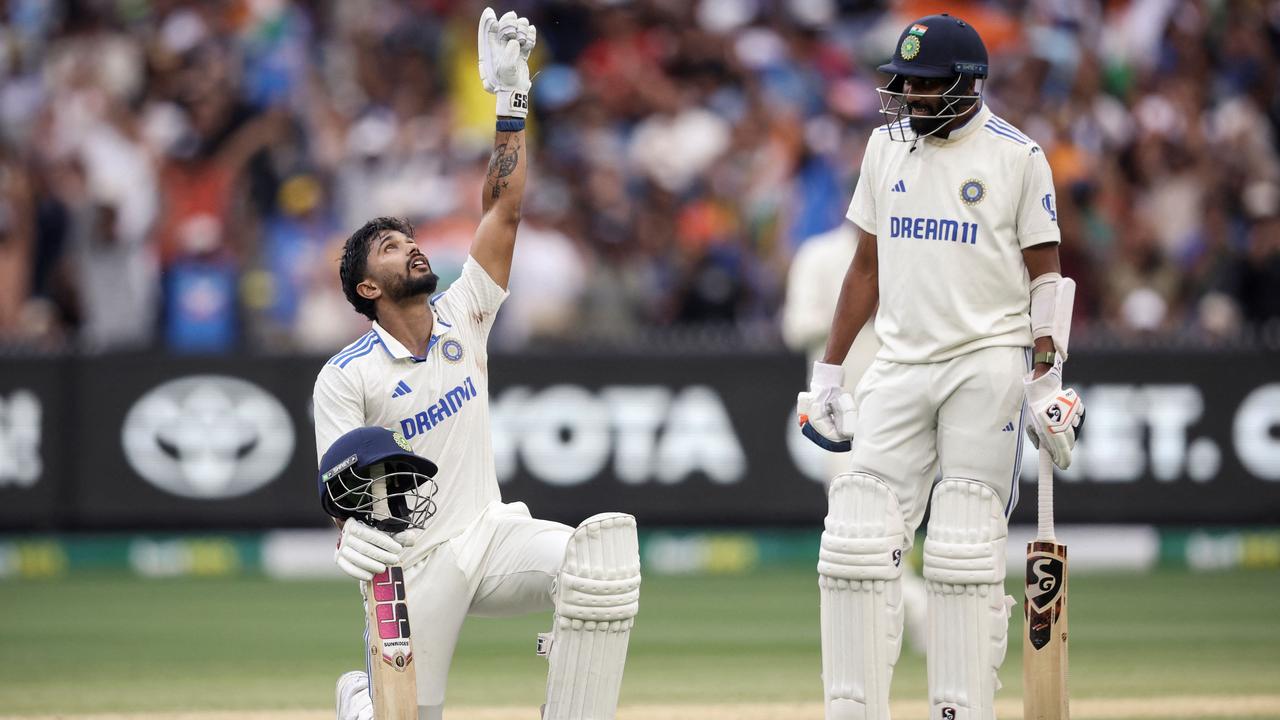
(120, 644)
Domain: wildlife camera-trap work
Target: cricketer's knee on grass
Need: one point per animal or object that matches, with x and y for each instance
(859, 576)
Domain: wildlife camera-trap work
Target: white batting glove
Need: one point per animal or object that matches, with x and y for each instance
(826, 411)
(505, 44)
(365, 551)
(1056, 414)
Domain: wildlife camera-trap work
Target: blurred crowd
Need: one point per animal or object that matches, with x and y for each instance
(180, 175)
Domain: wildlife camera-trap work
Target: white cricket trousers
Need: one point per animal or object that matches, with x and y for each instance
(504, 563)
(965, 415)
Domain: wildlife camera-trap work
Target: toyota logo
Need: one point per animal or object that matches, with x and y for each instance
(208, 436)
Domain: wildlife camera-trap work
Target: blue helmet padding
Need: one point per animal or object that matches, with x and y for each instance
(949, 46)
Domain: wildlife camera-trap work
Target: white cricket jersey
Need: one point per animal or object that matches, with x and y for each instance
(439, 401)
(951, 219)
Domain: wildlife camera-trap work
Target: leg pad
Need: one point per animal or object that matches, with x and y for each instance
(964, 569)
(859, 571)
(597, 598)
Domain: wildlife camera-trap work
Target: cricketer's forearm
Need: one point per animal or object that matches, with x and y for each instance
(858, 298)
(503, 194)
(1040, 260)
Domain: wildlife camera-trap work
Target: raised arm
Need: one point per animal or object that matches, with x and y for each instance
(495, 239)
(504, 46)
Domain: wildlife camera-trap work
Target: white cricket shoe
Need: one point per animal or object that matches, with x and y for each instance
(354, 702)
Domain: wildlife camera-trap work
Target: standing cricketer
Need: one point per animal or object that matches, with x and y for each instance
(959, 246)
(423, 371)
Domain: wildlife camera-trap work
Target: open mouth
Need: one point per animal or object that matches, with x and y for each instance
(418, 262)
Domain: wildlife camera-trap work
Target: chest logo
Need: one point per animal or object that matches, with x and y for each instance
(451, 350)
(972, 192)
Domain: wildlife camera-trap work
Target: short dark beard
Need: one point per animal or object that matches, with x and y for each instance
(403, 287)
(924, 125)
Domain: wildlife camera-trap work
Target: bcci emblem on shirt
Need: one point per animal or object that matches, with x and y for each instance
(451, 350)
(972, 192)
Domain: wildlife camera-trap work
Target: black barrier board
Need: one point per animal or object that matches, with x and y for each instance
(37, 437)
(191, 443)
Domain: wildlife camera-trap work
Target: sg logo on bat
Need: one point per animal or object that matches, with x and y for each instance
(393, 618)
(1044, 593)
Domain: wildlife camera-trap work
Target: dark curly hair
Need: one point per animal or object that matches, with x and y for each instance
(355, 259)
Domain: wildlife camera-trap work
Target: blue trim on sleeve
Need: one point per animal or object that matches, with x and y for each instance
(353, 348)
(1005, 134)
(1005, 125)
(376, 342)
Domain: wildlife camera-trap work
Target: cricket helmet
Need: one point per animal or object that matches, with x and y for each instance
(935, 46)
(372, 474)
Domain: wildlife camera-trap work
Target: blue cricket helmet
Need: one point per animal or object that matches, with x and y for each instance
(938, 46)
(372, 474)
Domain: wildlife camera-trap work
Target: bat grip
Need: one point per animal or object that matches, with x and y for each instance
(1044, 494)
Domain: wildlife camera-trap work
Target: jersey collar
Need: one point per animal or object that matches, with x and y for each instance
(439, 329)
(976, 121)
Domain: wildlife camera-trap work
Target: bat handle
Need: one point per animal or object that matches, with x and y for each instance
(1045, 496)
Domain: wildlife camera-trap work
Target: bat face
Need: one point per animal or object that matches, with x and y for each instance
(392, 616)
(1044, 641)
(393, 680)
(1045, 590)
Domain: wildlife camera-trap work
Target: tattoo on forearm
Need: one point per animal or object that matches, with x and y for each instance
(506, 157)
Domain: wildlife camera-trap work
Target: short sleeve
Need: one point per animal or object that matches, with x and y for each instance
(862, 210)
(337, 406)
(1038, 207)
(474, 298)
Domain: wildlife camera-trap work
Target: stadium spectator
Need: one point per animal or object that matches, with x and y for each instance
(174, 174)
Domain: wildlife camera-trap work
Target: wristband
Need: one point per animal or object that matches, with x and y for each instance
(510, 124)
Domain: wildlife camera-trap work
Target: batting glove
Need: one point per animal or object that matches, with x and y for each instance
(505, 44)
(1057, 414)
(364, 551)
(826, 411)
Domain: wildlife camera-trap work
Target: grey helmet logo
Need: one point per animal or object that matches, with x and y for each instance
(208, 436)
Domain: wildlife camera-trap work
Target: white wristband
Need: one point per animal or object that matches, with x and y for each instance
(827, 375)
(512, 103)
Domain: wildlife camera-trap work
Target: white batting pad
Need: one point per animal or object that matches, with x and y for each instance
(859, 574)
(597, 597)
(964, 567)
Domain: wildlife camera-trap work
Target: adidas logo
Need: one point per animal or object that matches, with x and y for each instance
(900, 187)
(1009, 427)
(401, 389)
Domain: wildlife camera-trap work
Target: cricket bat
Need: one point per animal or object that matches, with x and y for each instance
(1044, 636)
(393, 681)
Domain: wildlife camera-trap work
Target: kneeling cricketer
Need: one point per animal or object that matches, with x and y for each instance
(443, 539)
